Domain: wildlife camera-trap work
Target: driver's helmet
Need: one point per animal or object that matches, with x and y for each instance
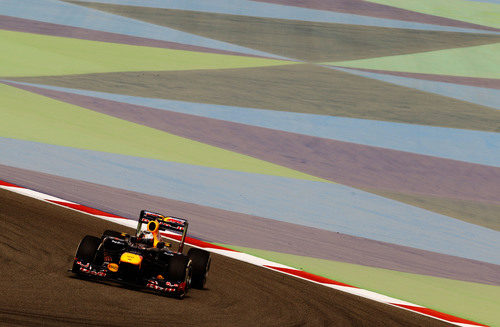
(146, 238)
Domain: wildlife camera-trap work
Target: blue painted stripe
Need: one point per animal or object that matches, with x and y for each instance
(57, 12)
(323, 205)
(269, 10)
(457, 144)
(478, 95)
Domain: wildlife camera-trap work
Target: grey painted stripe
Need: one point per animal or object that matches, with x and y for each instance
(269, 10)
(327, 206)
(479, 95)
(464, 145)
(57, 12)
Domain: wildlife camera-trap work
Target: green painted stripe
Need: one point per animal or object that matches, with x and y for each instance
(25, 54)
(478, 61)
(472, 301)
(487, 14)
(32, 117)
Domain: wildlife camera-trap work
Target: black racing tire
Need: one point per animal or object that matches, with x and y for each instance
(178, 271)
(86, 251)
(112, 233)
(200, 261)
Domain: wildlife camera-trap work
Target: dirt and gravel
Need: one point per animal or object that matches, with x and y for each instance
(37, 244)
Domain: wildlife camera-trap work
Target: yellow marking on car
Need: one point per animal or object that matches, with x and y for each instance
(131, 258)
(113, 267)
(154, 228)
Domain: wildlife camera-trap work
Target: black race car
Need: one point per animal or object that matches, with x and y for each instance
(144, 259)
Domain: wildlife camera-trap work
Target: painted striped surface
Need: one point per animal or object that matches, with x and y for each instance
(479, 95)
(464, 145)
(274, 163)
(269, 10)
(64, 13)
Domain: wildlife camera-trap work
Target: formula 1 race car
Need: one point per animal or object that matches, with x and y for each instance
(144, 260)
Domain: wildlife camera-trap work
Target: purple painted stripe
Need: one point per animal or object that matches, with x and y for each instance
(364, 8)
(492, 83)
(256, 232)
(37, 27)
(342, 162)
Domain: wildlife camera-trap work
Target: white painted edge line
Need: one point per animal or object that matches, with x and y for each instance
(270, 265)
(34, 194)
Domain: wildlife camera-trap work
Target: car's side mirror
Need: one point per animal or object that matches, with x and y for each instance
(160, 245)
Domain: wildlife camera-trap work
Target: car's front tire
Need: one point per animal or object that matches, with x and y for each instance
(179, 271)
(86, 251)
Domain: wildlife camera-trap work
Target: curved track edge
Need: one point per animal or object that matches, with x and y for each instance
(250, 259)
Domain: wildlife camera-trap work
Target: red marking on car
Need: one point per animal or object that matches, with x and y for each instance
(173, 220)
(83, 265)
(159, 288)
(152, 214)
(171, 285)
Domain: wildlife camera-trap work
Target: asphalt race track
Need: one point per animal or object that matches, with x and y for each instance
(36, 248)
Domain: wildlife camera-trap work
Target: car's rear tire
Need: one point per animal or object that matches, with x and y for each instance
(201, 265)
(179, 271)
(86, 251)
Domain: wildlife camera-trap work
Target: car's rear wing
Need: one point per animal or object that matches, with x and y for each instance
(169, 223)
